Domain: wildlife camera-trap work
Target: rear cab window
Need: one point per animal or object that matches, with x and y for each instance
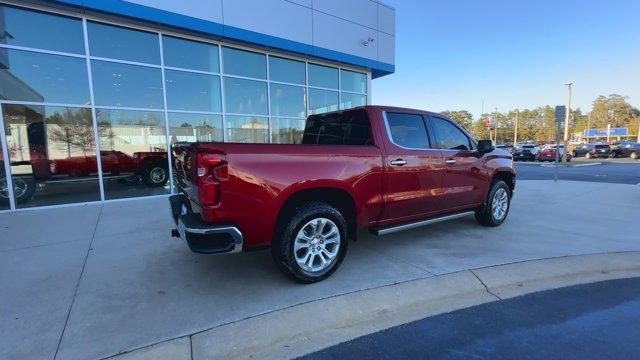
(407, 131)
(351, 127)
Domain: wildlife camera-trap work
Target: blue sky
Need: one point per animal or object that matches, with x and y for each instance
(513, 54)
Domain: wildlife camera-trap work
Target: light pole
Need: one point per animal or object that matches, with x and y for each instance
(566, 124)
(515, 129)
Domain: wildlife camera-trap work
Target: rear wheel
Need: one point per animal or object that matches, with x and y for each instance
(587, 155)
(496, 206)
(24, 188)
(633, 155)
(155, 174)
(311, 245)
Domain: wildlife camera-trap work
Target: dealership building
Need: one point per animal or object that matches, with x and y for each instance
(94, 92)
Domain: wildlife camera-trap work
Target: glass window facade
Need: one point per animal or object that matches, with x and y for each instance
(133, 151)
(189, 127)
(244, 63)
(323, 76)
(188, 54)
(115, 42)
(137, 91)
(125, 85)
(38, 77)
(193, 91)
(52, 154)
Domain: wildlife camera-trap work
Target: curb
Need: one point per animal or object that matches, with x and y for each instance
(315, 325)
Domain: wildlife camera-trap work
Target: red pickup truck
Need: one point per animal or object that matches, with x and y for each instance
(381, 168)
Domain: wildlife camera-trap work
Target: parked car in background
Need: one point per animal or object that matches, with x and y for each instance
(599, 151)
(548, 153)
(385, 169)
(525, 152)
(582, 150)
(628, 149)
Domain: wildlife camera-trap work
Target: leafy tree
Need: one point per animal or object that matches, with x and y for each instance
(463, 117)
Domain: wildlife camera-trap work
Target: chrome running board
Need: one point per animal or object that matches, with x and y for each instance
(411, 225)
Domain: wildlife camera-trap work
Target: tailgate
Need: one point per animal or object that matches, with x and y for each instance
(184, 172)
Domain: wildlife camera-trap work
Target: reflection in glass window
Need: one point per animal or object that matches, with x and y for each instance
(115, 42)
(4, 192)
(245, 96)
(52, 155)
(348, 100)
(37, 77)
(287, 100)
(188, 54)
(195, 127)
(323, 76)
(247, 129)
(124, 85)
(40, 30)
(321, 101)
(133, 152)
(244, 63)
(353, 81)
(286, 70)
(287, 131)
(192, 91)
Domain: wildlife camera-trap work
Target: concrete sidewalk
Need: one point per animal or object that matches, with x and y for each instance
(95, 281)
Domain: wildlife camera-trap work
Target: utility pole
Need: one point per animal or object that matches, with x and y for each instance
(515, 129)
(496, 127)
(566, 124)
(588, 125)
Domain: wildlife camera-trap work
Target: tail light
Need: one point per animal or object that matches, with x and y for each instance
(211, 169)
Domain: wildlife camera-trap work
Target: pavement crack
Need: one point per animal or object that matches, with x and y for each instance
(485, 285)
(75, 292)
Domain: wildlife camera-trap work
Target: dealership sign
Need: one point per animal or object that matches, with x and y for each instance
(603, 132)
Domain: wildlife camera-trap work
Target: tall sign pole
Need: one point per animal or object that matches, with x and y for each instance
(566, 125)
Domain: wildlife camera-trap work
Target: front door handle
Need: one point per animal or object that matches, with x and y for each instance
(398, 162)
(450, 161)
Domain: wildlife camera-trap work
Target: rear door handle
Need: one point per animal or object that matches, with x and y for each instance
(450, 161)
(398, 162)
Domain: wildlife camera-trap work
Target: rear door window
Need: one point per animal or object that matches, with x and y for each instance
(449, 137)
(407, 130)
(342, 128)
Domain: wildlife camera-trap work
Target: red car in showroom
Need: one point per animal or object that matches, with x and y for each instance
(384, 169)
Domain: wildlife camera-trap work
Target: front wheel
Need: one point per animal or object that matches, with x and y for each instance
(496, 206)
(24, 187)
(633, 155)
(311, 245)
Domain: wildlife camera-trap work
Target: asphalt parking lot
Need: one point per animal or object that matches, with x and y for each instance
(94, 281)
(592, 321)
(619, 171)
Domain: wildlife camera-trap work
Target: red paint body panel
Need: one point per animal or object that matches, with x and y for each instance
(259, 178)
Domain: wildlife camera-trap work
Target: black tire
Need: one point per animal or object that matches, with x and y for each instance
(151, 174)
(484, 215)
(24, 187)
(282, 246)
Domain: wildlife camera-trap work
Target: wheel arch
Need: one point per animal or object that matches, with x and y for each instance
(337, 197)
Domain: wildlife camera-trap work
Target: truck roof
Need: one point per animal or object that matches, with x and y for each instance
(384, 108)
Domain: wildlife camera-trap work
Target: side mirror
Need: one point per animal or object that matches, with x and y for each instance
(485, 146)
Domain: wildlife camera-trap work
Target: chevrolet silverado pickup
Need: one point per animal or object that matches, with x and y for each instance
(384, 169)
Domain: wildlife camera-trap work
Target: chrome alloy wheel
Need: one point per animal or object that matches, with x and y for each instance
(317, 245)
(500, 204)
(157, 175)
(20, 187)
